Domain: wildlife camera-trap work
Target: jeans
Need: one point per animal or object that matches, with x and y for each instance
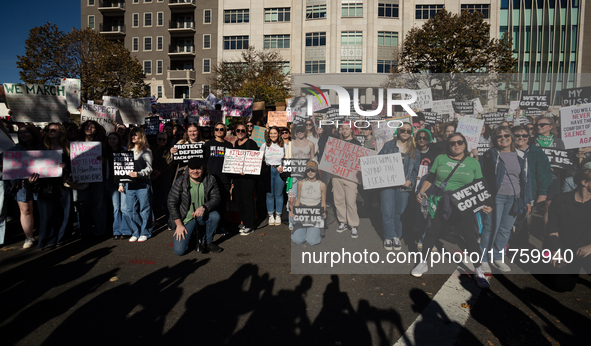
(119, 216)
(138, 208)
(497, 228)
(92, 204)
(211, 224)
(310, 235)
(394, 202)
(275, 196)
(54, 214)
(3, 187)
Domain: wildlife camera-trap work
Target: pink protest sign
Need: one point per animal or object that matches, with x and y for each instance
(21, 164)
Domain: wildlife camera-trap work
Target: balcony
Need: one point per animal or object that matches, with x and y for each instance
(107, 6)
(175, 27)
(181, 4)
(181, 75)
(111, 29)
(181, 51)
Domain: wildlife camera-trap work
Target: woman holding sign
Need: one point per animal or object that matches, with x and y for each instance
(274, 152)
(450, 171)
(244, 185)
(311, 193)
(192, 136)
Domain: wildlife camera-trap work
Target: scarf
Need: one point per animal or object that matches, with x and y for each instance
(545, 141)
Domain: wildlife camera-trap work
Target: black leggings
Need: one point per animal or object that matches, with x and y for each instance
(244, 193)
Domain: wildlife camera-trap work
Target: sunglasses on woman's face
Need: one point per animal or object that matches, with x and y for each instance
(525, 135)
(240, 131)
(307, 124)
(454, 143)
(541, 125)
(161, 139)
(284, 132)
(405, 131)
(250, 125)
(422, 138)
(506, 135)
(220, 129)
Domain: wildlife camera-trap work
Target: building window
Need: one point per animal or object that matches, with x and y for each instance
(148, 66)
(206, 16)
(387, 38)
(315, 39)
(351, 38)
(159, 94)
(147, 1)
(316, 66)
(205, 90)
(90, 2)
(316, 11)
(278, 14)
(352, 8)
(235, 42)
(387, 10)
(427, 11)
(384, 66)
(276, 41)
(206, 41)
(482, 8)
(159, 67)
(147, 43)
(136, 20)
(148, 19)
(236, 16)
(159, 42)
(136, 44)
(350, 66)
(285, 67)
(160, 19)
(91, 22)
(206, 65)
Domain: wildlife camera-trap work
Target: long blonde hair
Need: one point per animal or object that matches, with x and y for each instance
(410, 144)
(63, 140)
(142, 141)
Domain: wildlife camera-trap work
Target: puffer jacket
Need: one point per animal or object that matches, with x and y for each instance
(179, 198)
(411, 165)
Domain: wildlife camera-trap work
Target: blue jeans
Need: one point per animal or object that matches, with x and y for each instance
(138, 207)
(394, 202)
(118, 199)
(211, 224)
(275, 196)
(497, 228)
(310, 235)
(92, 205)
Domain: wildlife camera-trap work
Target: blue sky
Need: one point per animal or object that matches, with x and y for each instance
(17, 17)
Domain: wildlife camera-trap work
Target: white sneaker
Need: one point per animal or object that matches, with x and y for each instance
(354, 233)
(480, 278)
(246, 231)
(485, 267)
(241, 227)
(342, 227)
(278, 220)
(501, 266)
(132, 239)
(420, 246)
(419, 270)
(142, 239)
(28, 242)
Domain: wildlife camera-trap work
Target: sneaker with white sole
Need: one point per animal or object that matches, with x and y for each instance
(388, 244)
(419, 270)
(354, 233)
(420, 246)
(485, 267)
(397, 244)
(271, 220)
(278, 220)
(28, 242)
(132, 239)
(342, 227)
(501, 266)
(241, 227)
(246, 231)
(480, 278)
(142, 239)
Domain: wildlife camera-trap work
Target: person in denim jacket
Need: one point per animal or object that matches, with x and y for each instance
(395, 199)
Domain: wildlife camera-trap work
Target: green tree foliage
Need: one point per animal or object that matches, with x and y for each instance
(104, 67)
(257, 74)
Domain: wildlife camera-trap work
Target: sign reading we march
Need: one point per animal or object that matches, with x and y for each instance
(36, 103)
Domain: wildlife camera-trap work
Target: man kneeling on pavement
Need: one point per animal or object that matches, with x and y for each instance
(193, 200)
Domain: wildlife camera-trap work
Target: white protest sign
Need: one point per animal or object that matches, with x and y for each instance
(575, 126)
(382, 171)
(86, 167)
(237, 161)
(237, 106)
(278, 119)
(132, 111)
(424, 99)
(21, 164)
(443, 106)
(36, 103)
(103, 115)
(513, 110)
(384, 130)
(477, 106)
(471, 129)
(342, 158)
(73, 87)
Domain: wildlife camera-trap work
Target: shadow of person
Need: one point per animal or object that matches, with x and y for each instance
(337, 322)
(385, 322)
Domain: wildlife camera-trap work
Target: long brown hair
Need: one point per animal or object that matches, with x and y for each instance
(63, 140)
(186, 135)
(448, 148)
(268, 140)
(142, 142)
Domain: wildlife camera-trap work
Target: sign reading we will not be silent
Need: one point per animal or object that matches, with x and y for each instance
(342, 158)
(86, 167)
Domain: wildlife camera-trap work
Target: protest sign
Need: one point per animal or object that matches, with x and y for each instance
(192, 119)
(431, 118)
(186, 152)
(333, 115)
(278, 119)
(296, 167)
(104, 115)
(382, 171)
(2, 94)
(533, 101)
(170, 110)
(192, 107)
(443, 107)
(305, 217)
(5, 142)
(342, 158)
(424, 99)
(531, 112)
(258, 135)
(86, 167)
(212, 99)
(576, 96)
(208, 117)
(384, 133)
(151, 126)
(319, 102)
(483, 148)
(21, 164)
(471, 129)
(472, 198)
(123, 164)
(237, 161)
(575, 126)
(237, 106)
(73, 87)
(36, 103)
(477, 106)
(132, 111)
(494, 118)
(361, 139)
(463, 107)
(559, 158)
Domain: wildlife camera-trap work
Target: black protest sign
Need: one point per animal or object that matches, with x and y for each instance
(361, 139)
(187, 151)
(533, 112)
(333, 115)
(151, 126)
(494, 118)
(483, 148)
(533, 101)
(123, 164)
(559, 158)
(576, 96)
(472, 198)
(431, 118)
(296, 167)
(463, 107)
(308, 217)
